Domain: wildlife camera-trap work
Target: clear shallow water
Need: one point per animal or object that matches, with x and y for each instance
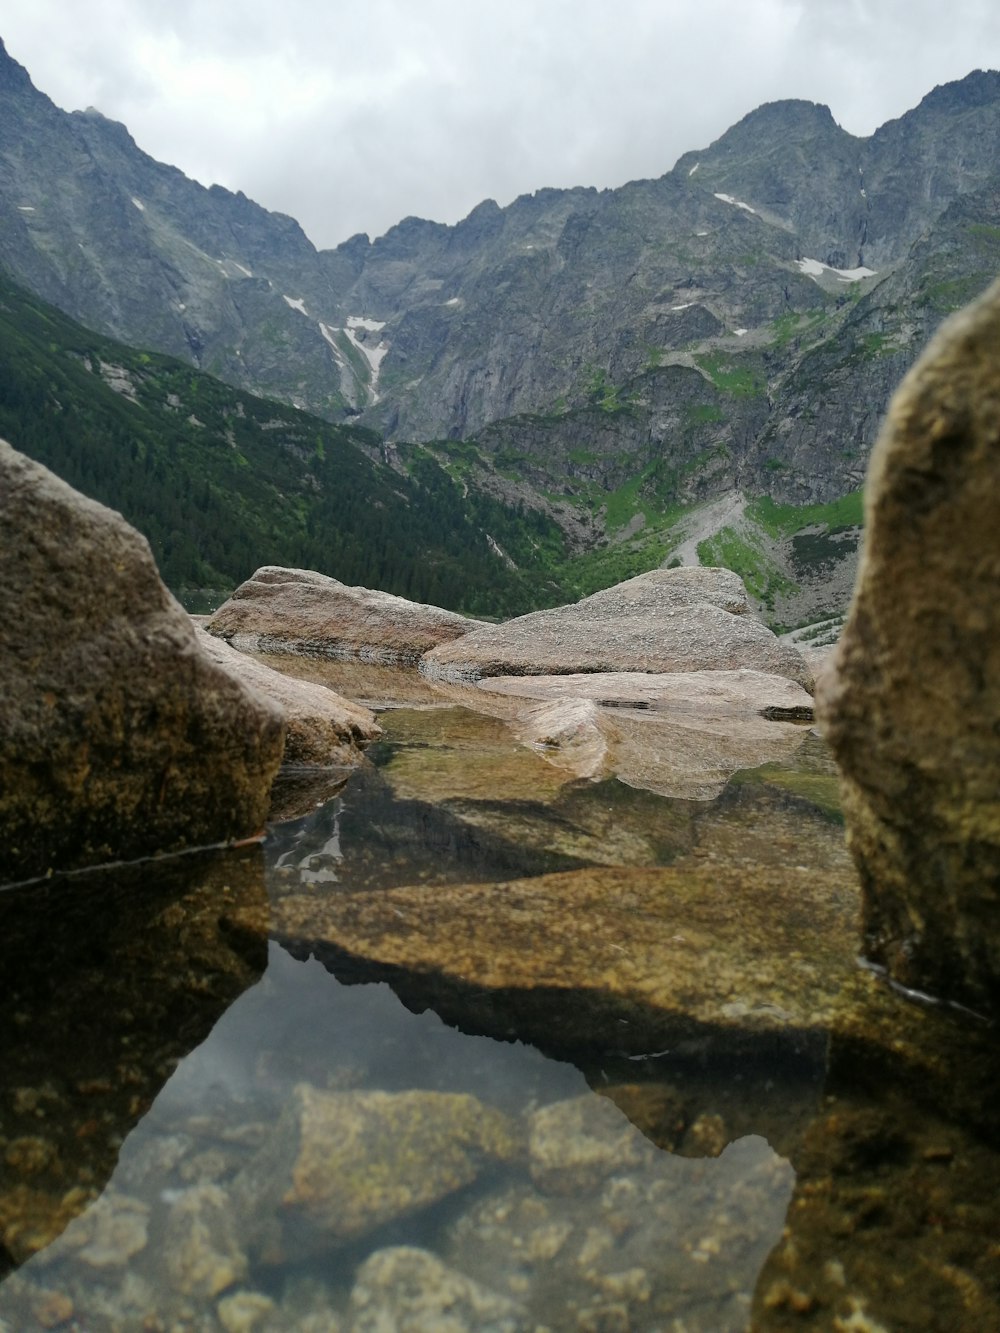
(178, 1093)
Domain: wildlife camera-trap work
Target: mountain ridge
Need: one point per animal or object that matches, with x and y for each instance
(607, 358)
(209, 268)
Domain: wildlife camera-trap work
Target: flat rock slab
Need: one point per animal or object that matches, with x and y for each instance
(322, 728)
(680, 735)
(664, 621)
(119, 737)
(297, 611)
(748, 949)
(740, 693)
(703, 959)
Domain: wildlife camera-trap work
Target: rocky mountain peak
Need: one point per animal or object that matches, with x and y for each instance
(979, 88)
(12, 75)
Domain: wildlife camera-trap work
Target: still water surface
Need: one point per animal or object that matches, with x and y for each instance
(217, 1117)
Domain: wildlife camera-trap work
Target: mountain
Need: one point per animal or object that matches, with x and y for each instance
(435, 331)
(648, 368)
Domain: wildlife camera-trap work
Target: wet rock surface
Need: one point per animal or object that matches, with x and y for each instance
(733, 949)
(321, 727)
(911, 704)
(119, 737)
(667, 620)
(298, 611)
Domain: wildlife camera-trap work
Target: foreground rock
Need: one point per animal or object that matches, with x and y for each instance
(667, 620)
(118, 736)
(911, 706)
(322, 728)
(297, 611)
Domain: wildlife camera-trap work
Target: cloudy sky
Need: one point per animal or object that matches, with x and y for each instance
(349, 116)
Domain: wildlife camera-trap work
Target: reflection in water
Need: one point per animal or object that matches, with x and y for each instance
(367, 1144)
(564, 1214)
(108, 980)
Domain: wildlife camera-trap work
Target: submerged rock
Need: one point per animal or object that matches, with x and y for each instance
(667, 620)
(118, 736)
(344, 1163)
(322, 728)
(910, 707)
(298, 611)
(574, 1145)
(410, 1290)
(201, 1251)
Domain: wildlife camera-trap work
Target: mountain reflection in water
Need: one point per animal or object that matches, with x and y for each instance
(403, 1120)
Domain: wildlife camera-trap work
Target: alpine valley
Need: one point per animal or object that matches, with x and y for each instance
(510, 412)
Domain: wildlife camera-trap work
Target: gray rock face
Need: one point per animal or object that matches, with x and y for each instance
(297, 611)
(118, 736)
(910, 707)
(322, 728)
(667, 620)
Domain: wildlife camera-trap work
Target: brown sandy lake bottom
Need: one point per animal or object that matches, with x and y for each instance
(481, 1044)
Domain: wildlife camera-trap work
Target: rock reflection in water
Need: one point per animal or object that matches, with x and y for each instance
(109, 979)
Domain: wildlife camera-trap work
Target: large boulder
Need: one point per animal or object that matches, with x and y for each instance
(323, 728)
(667, 620)
(118, 736)
(297, 611)
(911, 704)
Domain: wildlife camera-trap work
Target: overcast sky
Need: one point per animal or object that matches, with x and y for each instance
(350, 116)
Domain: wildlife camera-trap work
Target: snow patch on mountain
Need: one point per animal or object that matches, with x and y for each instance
(815, 269)
(360, 322)
(373, 355)
(139, 204)
(737, 203)
(296, 303)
